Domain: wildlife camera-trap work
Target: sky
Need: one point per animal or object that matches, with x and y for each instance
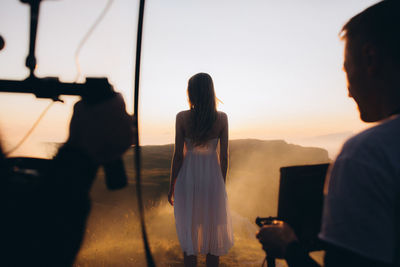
(276, 66)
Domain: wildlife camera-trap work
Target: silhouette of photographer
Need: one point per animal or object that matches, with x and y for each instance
(361, 215)
(43, 221)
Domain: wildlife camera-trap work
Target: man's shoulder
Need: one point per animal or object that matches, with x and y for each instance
(377, 137)
(366, 170)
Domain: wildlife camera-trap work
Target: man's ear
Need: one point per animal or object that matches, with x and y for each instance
(371, 59)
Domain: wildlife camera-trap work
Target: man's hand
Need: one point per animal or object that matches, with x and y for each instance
(103, 131)
(275, 238)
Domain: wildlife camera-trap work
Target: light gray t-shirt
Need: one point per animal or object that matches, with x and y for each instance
(361, 208)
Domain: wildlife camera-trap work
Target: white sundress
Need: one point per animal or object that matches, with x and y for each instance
(202, 216)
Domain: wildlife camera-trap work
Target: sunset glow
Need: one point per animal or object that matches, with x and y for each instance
(276, 65)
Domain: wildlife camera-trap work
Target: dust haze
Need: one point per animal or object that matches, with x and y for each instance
(113, 236)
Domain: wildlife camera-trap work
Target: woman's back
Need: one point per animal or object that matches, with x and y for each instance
(220, 123)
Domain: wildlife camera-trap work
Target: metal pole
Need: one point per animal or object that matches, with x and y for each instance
(137, 158)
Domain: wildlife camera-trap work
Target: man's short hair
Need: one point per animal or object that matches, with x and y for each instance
(379, 25)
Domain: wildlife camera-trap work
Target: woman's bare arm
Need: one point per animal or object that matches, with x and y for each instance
(178, 155)
(223, 154)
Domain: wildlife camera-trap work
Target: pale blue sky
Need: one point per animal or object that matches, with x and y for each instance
(276, 64)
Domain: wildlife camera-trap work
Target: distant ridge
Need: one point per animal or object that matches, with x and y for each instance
(256, 153)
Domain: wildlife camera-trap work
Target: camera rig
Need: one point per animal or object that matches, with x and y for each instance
(94, 89)
(51, 87)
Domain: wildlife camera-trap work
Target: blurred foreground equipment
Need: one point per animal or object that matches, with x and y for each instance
(93, 91)
(2, 43)
(300, 203)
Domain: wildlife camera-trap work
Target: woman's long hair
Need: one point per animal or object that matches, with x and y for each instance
(203, 108)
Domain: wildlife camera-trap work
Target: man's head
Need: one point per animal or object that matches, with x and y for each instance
(372, 59)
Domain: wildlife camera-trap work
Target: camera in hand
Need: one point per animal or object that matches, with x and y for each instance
(261, 221)
(300, 202)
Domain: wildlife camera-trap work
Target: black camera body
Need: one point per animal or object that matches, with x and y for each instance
(261, 221)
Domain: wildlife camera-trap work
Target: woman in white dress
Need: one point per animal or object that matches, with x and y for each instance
(197, 188)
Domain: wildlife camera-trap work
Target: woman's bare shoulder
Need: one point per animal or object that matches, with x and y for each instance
(222, 115)
(183, 114)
